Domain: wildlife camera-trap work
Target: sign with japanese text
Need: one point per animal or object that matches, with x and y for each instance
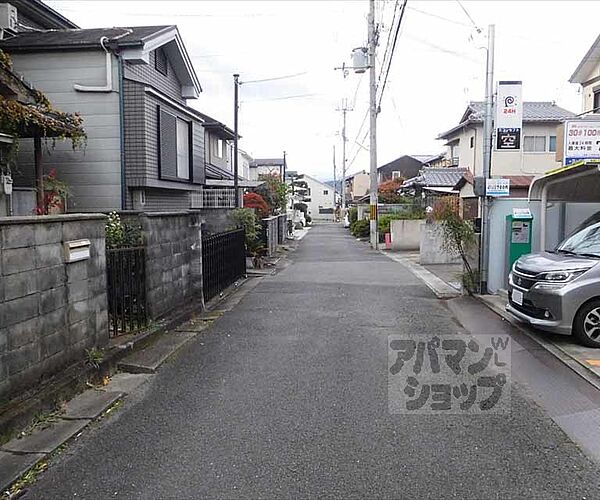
(497, 187)
(449, 374)
(509, 116)
(582, 141)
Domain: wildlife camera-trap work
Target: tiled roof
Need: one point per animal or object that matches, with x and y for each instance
(81, 38)
(437, 177)
(533, 111)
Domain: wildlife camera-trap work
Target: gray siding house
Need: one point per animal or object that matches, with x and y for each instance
(145, 147)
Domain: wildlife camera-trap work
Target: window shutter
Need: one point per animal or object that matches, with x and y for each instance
(167, 133)
(198, 166)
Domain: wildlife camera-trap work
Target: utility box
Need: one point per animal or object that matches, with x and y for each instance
(519, 226)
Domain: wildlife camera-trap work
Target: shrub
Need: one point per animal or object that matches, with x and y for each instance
(353, 215)
(361, 228)
(120, 234)
(246, 218)
(388, 191)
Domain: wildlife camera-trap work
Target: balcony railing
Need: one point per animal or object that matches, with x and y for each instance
(213, 198)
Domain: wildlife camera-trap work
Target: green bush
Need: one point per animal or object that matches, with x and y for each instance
(361, 228)
(352, 215)
(121, 234)
(246, 218)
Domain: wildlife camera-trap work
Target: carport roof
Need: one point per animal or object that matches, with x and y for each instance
(578, 183)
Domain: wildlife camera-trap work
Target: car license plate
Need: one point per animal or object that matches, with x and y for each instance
(517, 297)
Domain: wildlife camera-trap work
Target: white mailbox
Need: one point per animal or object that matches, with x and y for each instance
(77, 250)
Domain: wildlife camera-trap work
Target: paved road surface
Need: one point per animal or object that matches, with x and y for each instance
(286, 396)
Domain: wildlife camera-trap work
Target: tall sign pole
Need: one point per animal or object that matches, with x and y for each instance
(236, 86)
(487, 161)
(373, 126)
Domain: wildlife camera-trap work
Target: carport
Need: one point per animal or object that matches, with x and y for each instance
(576, 183)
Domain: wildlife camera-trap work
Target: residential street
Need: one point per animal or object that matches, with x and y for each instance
(286, 396)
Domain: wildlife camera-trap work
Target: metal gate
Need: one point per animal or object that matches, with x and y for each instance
(126, 287)
(223, 261)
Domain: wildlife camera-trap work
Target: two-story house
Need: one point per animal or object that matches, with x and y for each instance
(403, 167)
(319, 197)
(537, 154)
(145, 146)
(587, 74)
(356, 186)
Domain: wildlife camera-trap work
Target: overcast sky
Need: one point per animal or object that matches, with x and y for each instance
(437, 68)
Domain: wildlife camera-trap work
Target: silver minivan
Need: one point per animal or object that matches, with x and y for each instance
(559, 290)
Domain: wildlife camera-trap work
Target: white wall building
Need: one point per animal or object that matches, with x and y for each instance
(319, 197)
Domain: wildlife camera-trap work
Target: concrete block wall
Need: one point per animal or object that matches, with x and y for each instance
(281, 228)
(215, 220)
(270, 234)
(432, 249)
(406, 234)
(173, 259)
(50, 310)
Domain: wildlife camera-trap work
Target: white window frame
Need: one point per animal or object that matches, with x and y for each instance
(396, 174)
(535, 138)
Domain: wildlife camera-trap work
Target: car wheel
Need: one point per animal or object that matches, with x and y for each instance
(586, 327)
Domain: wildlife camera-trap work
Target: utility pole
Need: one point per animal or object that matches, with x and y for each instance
(344, 109)
(373, 125)
(487, 161)
(334, 182)
(236, 107)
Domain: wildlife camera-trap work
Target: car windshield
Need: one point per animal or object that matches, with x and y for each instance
(583, 242)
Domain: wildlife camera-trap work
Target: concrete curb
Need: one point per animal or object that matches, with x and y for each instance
(438, 286)
(556, 350)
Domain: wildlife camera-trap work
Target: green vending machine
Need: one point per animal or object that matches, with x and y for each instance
(518, 235)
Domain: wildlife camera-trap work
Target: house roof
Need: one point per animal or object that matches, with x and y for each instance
(214, 172)
(533, 111)
(130, 36)
(44, 16)
(134, 44)
(587, 64)
(267, 162)
(436, 177)
(407, 165)
(220, 129)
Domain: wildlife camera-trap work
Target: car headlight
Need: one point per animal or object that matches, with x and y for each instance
(561, 276)
(555, 280)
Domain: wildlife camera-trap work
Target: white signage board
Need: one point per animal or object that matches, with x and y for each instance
(497, 187)
(509, 115)
(582, 141)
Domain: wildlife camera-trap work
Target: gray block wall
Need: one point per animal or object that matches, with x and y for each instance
(50, 310)
(173, 260)
(270, 234)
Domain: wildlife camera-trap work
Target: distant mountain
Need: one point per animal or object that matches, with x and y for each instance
(338, 185)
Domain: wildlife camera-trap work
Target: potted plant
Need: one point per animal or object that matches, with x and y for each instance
(55, 195)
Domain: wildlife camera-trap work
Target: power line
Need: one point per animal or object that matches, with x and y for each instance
(298, 96)
(469, 16)
(275, 78)
(387, 72)
(442, 18)
(387, 44)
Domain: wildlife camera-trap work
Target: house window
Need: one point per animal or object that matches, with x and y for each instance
(597, 101)
(534, 143)
(142, 197)
(325, 192)
(183, 149)
(218, 148)
(396, 174)
(160, 62)
(472, 141)
(552, 143)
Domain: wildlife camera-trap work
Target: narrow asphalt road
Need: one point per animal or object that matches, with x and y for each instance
(286, 396)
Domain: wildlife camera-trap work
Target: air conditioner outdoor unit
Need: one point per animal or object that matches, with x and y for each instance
(8, 17)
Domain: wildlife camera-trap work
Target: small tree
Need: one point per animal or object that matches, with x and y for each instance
(388, 191)
(257, 202)
(274, 191)
(246, 218)
(458, 237)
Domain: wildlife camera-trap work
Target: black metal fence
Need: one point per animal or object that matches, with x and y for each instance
(223, 261)
(126, 287)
